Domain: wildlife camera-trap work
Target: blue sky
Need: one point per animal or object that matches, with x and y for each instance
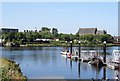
(67, 17)
(60, 0)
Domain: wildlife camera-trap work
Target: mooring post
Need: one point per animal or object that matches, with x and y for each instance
(70, 47)
(104, 73)
(104, 50)
(79, 49)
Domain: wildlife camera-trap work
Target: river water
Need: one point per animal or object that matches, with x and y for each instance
(47, 63)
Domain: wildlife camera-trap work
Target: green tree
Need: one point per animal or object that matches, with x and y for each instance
(55, 32)
(72, 37)
(64, 37)
(107, 38)
(45, 34)
(77, 36)
(29, 37)
(45, 29)
(89, 37)
(10, 36)
(20, 35)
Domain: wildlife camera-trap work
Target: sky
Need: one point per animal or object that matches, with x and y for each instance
(60, 0)
(67, 17)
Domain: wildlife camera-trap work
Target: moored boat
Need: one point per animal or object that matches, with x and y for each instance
(64, 52)
(116, 56)
(96, 62)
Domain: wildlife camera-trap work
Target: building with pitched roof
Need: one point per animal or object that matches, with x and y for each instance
(93, 31)
(101, 32)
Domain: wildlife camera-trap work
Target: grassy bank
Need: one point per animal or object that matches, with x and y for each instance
(9, 71)
(64, 45)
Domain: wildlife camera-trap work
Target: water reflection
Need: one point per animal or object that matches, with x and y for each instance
(71, 64)
(104, 73)
(79, 70)
(47, 61)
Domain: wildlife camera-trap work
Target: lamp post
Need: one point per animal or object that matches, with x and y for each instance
(79, 48)
(66, 44)
(97, 47)
(104, 50)
(70, 47)
(104, 69)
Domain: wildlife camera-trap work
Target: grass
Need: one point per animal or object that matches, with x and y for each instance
(9, 70)
(64, 45)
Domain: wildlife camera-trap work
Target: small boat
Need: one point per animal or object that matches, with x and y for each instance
(116, 56)
(96, 62)
(75, 54)
(88, 54)
(65, 56)
(65, 52)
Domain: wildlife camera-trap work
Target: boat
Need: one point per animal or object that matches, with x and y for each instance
(116, 56)
(68, 54)
(88, 54)
(64, 52)
(64, 56)
(75, 54)
(96, 62)
(92, 54)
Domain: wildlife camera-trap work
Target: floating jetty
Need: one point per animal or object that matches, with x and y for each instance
(113, 66)
(80, 59)
(92, 57)
(110, 65)
(85, 60)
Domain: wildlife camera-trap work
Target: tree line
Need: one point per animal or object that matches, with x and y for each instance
(47, 33)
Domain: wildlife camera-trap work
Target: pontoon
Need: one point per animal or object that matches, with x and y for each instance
(116, 56)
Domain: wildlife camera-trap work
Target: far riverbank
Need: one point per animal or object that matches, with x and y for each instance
(65, 45)
(56, 44)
